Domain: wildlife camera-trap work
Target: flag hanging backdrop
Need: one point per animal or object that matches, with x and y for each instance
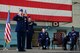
(7, 33)
(40, 10)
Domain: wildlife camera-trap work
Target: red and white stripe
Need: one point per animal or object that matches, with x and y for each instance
(7, 36)
(39, 10)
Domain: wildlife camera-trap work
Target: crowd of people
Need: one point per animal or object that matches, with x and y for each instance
(25, 31)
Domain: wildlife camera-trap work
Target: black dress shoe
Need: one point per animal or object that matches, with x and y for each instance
(28, 48)
(22, 50)
(71, 49)
(43, 48)
(65, 49)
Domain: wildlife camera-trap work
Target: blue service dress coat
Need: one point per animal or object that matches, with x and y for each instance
(73, 36)
(30, 34)
(31, 27)
(44, 39)
(21, 28)
(22, 23)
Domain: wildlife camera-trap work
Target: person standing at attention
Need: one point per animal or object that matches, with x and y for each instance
(21, 30)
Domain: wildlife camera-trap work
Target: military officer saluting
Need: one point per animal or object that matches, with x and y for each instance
(21, 28)
(30, 33)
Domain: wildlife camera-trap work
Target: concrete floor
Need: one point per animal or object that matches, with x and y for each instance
(38, 50)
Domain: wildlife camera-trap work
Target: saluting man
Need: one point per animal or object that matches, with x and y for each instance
(30, 33)
(21, 28)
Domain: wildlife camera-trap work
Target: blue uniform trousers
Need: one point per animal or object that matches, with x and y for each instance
(44, 43)
(72, 40)
(21, 40)
(29, 41)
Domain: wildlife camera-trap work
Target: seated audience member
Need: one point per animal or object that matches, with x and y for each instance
(44, 39)
(72, 37)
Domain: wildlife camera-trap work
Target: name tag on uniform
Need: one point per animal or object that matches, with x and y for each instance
(25, 19)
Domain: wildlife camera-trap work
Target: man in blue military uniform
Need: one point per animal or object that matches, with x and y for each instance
(44, 39)
(21, 28)
(30, 33)
(72, 37)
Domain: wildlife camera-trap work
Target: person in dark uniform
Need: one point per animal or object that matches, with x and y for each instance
(47, 44)
(72, 37)
(30, 33)
(44, 39)
(21, 28)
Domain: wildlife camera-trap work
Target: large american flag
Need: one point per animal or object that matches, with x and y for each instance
(7, 32)
(40, 10)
